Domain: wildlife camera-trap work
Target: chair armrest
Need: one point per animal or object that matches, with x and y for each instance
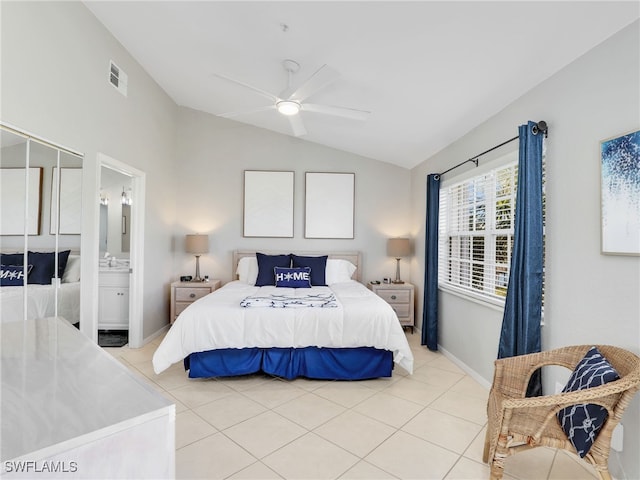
(512, 374)
(561, 400)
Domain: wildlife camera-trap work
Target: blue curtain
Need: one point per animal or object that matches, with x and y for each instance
(430, 303)
(523, 307)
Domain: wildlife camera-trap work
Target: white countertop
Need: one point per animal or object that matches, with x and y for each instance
(117, 269)
(58, 386)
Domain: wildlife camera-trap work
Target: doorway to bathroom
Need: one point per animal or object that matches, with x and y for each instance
(121, 254)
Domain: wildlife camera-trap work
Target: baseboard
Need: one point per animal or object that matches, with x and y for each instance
(155, 335)
(466, 368)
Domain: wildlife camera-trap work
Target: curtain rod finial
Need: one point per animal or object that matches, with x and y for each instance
(541, 126)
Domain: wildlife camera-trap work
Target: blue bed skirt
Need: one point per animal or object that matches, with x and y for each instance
(310, 362)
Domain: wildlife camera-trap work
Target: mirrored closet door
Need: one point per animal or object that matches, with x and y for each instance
(40, 228)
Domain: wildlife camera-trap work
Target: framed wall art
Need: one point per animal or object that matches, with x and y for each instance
(13, 199)
(268, 204)
(620, 177)
(329, 205)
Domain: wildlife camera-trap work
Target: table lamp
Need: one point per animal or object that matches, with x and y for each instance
(398, 248)
(197, 244)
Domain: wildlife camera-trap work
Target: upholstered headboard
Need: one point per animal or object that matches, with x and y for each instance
(353, 257)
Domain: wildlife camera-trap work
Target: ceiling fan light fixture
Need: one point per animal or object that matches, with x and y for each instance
(288, 107)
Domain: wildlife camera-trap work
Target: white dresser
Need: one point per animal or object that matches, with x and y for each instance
(113, 299)
(68, 405)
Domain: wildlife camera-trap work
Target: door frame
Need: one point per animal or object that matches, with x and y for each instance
(136, 284)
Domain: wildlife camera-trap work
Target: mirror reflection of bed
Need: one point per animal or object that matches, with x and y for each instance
(114, 262)
(29, 202)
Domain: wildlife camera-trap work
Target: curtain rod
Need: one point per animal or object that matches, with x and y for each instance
(541, 126)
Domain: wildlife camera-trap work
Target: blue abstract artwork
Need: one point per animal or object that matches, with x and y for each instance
(621, 194)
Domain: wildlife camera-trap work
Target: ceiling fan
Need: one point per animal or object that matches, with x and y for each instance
(292, 100)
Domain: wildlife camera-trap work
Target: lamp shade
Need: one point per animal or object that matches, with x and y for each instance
(398, 247)
(197, 244)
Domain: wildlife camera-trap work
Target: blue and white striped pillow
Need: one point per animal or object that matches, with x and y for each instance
(583, 422)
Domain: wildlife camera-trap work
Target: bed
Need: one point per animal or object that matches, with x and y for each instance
(41, 302)
(41, 296)
(343, 331)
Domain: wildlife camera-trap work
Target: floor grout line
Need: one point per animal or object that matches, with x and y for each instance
(249, 390)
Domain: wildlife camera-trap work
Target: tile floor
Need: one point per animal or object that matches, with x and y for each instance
(429, 425)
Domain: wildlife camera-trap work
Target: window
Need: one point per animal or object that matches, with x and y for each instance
(476, 233)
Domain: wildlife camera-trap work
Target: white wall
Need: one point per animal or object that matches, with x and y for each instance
(590, 298)
(212, 156)
(55, 58)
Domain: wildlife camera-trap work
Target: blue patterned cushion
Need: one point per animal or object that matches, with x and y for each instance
(318, 267)
(583, 422)
(13, 275)
(293, 277)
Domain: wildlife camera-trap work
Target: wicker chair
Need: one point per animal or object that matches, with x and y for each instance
(517, 423)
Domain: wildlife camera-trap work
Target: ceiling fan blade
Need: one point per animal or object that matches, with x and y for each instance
(323, 76)
(351, 113)
(270, 96)
(245, 112)
(297, 126)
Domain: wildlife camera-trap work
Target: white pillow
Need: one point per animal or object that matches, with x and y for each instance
(338, 271)
(248, 270)
(72, 270)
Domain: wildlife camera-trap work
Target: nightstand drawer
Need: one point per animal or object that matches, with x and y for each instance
(401, 310)
(185, 294)
(395, 296)
(180, 306)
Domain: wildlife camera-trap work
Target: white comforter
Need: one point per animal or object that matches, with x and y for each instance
(41, 300)
(362, 319)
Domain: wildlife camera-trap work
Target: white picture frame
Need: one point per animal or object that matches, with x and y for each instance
(268, 204)
(70, 201)
(329, 205)
(13, 198)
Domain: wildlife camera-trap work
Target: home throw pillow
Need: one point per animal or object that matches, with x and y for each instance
(583, 422)
(13, 275)
(266, 265)
(293, 277)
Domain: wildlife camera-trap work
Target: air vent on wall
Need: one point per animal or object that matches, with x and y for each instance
(118, 78)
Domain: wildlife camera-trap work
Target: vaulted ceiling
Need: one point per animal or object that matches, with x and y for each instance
(427, 71)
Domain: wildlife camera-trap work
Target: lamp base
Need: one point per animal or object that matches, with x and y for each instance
(397, 280)
(197, 277)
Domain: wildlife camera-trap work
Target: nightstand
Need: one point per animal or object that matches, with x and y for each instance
(184, 294)
(401, 298)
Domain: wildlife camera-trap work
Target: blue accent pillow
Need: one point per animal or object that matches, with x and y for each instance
(13, 275)
(293, 277)
(44, 266)
(266, 266)
(318, 267)
(583, 422)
